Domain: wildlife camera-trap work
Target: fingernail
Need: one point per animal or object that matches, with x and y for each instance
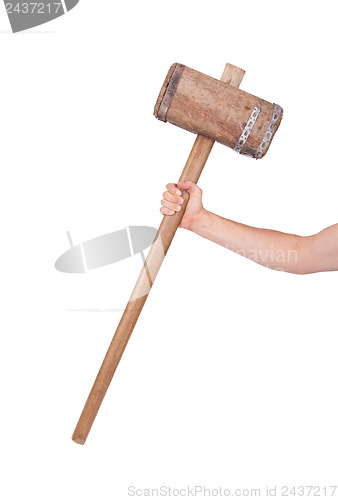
(180, 200)
(178, 193)
(178, 207)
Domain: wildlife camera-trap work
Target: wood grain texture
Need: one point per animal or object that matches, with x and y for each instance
(166, 232)
(218, 109)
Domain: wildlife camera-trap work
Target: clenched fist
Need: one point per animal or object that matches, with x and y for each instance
(172, 202)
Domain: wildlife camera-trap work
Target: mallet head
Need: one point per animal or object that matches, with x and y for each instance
(226, 114)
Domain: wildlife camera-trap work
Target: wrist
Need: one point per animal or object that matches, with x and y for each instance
(196, 222)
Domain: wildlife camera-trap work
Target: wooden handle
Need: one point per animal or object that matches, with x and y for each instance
(166, 232)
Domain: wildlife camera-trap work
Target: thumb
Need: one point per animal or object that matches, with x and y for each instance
(189, 186)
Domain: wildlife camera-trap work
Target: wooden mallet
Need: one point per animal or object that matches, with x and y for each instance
(217, 111)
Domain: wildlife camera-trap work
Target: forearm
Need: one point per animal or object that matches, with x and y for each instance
(273, 249)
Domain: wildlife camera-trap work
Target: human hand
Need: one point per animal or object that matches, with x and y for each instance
(172, 202)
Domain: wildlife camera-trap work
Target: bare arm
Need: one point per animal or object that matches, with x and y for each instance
(273, 249)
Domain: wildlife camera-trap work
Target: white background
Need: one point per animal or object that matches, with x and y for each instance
(230, 376)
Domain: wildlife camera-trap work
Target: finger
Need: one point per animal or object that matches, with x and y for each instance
(186, 184)
(189, 186)
(166, 211)
(172, 188)
(174, 199)
(171, 206)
